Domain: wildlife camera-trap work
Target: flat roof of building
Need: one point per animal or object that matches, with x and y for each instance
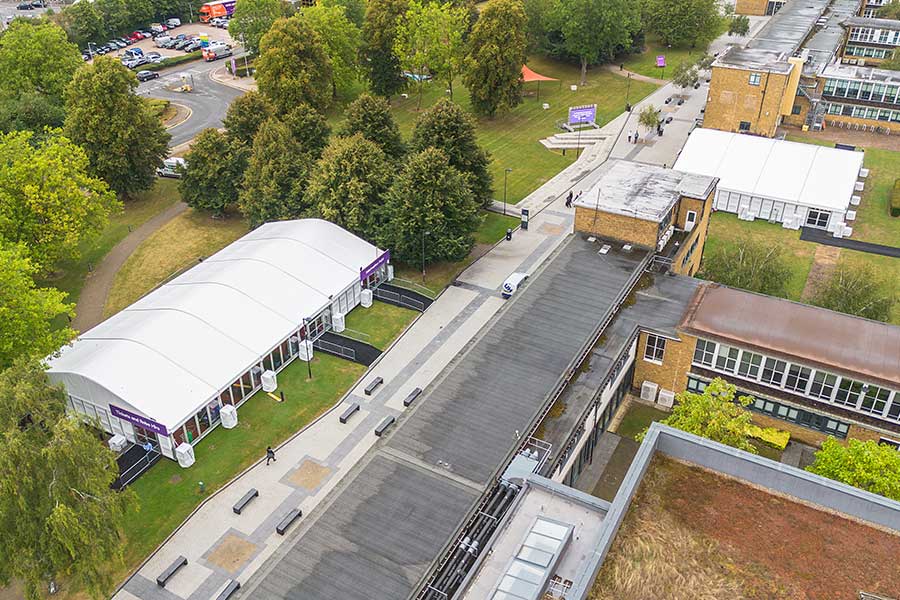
(459, 435)
(843, 343)
(792, 172)
(643, 191)
(872, 22)
(875, 75)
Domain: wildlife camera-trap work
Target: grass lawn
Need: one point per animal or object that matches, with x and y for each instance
(381, 323)
(169, 493)
(638, 418)
(175, 246)
(71, 274)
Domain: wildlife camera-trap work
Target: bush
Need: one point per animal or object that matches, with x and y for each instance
(776, 438)
(895, 199)
(175, 60)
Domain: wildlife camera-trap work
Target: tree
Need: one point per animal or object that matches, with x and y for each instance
(309, 128)
(349, 182)
(649, 117)
(293, 66)
(592, 30)
(371, 116)
(447, 127)
(430, 198)
(214, 171)
(866, 465)
(124, 141)
(27, 311)
(429, 41)
(252, 19)
(276, 176)
(856, 290)
(342, 40)
(739, 25)
(379, 34)
(49, 205)
(497, 47)
(748, 265)
(681, 23)
(60, 516)
(245, 116)
(355, 10)
(685, 75)
(713, 414)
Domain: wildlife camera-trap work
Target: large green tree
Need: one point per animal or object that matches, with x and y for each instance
(342, 40)
(430, 210)
(682, 23)
(371, 116)
(245, 116)
(493, 65)
(309, 128)
(124, 140)
(379, 34)
(252, 19)
(49, 205)
(447, 127)
(857, 290)
(277, 173)
(59, 516)
(215, 169)
(27, 311)
(867, 465)
(748, 264)
(349, 182)
(293, 66)
(593, 30)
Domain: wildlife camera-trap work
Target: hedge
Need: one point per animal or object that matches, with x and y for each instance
(895, 199)
(770, 436)
(174, 60)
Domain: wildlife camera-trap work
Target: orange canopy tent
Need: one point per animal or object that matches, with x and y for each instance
(528, 76)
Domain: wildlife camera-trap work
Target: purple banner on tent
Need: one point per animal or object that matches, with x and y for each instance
(372, 268)
(148, 424)
(661, 60)
(582, 114)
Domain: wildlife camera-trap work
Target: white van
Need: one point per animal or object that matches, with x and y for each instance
(170, 168)
(512, 283)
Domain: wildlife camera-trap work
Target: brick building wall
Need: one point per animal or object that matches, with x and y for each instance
(616, 227)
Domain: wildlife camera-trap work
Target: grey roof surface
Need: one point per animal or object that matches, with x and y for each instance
(390, 519)
(871, 22)
(644, 191)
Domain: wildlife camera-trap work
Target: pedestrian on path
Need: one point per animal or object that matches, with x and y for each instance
(270, 455)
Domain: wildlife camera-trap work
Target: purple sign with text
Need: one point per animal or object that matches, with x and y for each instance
(582, 114)
(661, 60)
(148, 424)
(372, 268)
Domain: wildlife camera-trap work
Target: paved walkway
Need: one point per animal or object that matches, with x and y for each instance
(89, 310)
(808, 234)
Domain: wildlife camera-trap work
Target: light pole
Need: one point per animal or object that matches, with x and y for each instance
(424, 233)
(505, 175)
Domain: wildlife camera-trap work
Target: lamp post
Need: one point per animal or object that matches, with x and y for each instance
(308, 358)
(424, 233)
(505, 174)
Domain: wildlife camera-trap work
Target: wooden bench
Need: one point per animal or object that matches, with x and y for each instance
(388, 421)
(244, 501)
(351, 410)
(233, 586)
(374, 385)
(170, 570)
(289, 518)
(412, 397)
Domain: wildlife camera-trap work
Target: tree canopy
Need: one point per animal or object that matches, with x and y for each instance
(252, 19)
(215, 169)
(49, 205)
(863, 464)
(379, 37)
(496, 54)
(245, 116)
(349, 182)
(27, 311)
(61, 518)
(857, 290)
(430, 200)
(342, 40)
(748, 265)
(293, 66)
(681, 23)
(371, 116)
(447, 127)
(123, 139)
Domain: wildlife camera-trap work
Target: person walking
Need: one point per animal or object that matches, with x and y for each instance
(270, 455)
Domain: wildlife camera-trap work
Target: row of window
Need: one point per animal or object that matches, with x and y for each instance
(798, 379)
(868, 52)
(878, 36)
(862, 90)
(863, 112)
(785, 412)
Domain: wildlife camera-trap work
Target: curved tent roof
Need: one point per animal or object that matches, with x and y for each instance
(171, 351)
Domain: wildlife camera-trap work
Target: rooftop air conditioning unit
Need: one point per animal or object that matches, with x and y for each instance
(648, 391)
(666, 398)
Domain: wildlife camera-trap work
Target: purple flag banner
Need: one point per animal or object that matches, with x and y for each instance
(148, 424)
(582, 114)
(661, 60)
(377, 264)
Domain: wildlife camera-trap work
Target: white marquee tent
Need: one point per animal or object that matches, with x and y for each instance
(170, 361)
(787, 182)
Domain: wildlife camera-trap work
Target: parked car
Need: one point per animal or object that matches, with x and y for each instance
(25, 6)
(147, 75)
(170, 168)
